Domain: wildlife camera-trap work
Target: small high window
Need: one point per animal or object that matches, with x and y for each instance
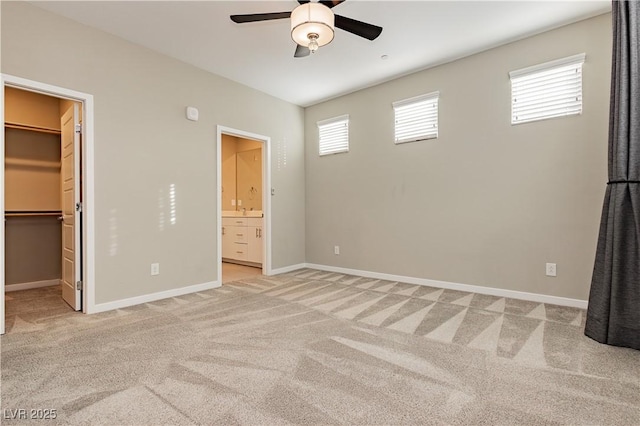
(334, 135)
(416, 118)
(548, 90)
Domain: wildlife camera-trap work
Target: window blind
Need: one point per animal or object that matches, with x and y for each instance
(416, 118)
(334, 135)
(548, 90)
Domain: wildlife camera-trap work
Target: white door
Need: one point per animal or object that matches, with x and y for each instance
(70, 171)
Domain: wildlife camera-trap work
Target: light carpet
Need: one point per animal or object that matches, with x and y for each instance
(314, 347)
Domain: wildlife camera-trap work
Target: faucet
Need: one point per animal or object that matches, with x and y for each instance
(244, 211)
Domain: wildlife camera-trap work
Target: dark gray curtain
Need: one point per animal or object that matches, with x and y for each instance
(613, 316)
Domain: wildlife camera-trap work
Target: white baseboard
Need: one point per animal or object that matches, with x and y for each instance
(289, 268)
(499, 292)
(28, 286)
(137, 300)
(492, 291)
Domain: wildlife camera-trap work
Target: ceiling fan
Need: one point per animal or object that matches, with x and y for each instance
(313, 23)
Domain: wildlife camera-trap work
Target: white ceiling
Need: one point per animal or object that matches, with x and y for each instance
(416, 35)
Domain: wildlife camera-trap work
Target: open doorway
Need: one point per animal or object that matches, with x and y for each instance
(43, 192)
(244, 208)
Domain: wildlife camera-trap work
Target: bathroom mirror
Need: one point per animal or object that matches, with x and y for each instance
(249, 179)
(241, 174)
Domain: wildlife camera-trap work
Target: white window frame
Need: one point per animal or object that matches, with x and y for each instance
(341, 135)
(426, 130)
(549, 90)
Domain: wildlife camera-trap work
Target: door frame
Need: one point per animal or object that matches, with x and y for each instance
(266, 193)
(88, 184)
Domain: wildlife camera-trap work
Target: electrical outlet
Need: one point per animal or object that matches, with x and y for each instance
(155, 269)
(336, 249)
(233, 202)
(551, 270)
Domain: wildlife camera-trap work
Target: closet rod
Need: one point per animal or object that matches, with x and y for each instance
(33, 128)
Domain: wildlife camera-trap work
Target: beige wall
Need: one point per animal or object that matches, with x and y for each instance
(247, 144)
(144, 146)
(31, 109)
(32, 170)
(487, 203)
(33, 249)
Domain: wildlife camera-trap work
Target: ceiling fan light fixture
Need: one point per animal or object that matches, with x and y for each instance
(312, 25)
(313, 42)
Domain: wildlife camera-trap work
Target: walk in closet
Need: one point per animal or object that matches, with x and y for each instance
(33, 188)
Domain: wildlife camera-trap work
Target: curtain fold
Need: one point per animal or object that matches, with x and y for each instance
(613, 315)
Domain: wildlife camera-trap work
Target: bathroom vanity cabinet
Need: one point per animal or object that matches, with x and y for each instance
(242, 240)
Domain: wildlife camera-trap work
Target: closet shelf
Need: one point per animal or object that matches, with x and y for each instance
(32, 213)
(32, 128)
(17, 162)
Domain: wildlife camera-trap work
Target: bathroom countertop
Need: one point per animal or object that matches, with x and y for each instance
(248, 213)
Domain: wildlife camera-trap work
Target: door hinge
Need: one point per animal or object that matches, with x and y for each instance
(78, 285)
(78, 207)
(78, 128)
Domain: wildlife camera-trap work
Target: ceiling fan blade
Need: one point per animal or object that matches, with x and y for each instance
(328, 3)
(362, 29)
(331, 3)
(255, 17)
(301, 51)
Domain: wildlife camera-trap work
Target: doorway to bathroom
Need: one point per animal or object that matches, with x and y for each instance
(244, 207)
